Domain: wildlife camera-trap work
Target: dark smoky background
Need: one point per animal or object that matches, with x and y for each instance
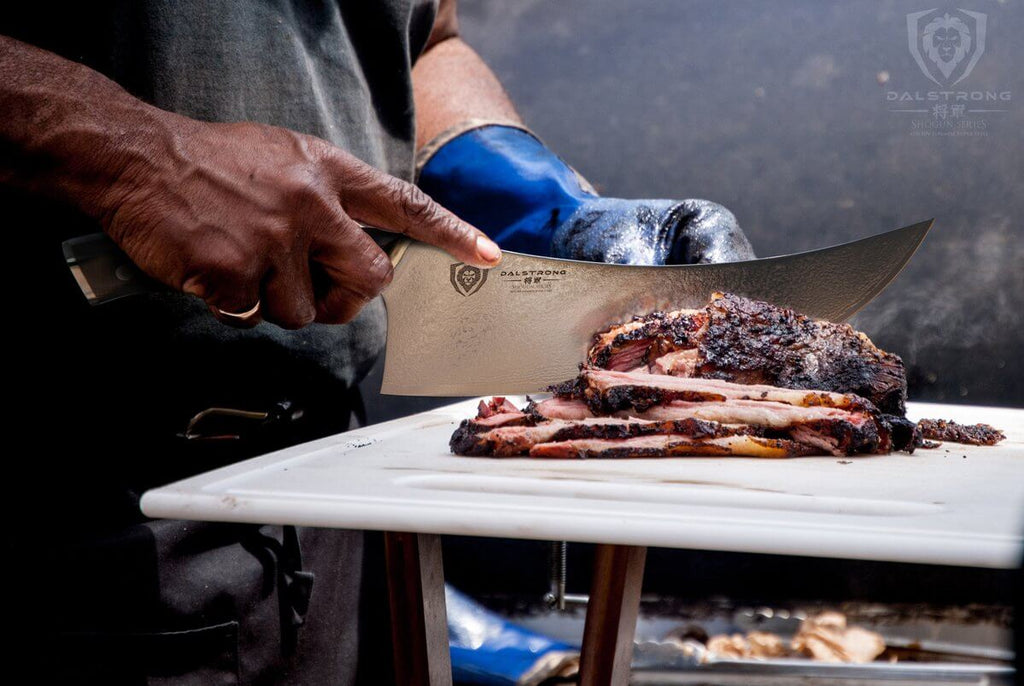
(778, 110)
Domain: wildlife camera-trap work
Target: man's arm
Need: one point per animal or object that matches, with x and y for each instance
(233, 213)
(451, 84)
(477, 159)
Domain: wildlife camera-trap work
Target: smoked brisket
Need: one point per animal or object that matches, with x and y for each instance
(737, 378)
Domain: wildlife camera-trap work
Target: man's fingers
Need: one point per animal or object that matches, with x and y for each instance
(352, 271)
(382, 201)
(288, 297)
(338, 303)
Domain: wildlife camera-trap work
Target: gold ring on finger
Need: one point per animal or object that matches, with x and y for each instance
(248, 314)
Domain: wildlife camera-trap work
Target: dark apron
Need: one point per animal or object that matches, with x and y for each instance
(97, 399)
(171, 602)
(121, 599)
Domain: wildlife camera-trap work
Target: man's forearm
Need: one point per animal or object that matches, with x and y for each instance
(451, 84)
(71, 133)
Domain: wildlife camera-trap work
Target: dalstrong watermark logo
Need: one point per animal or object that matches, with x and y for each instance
(946, 44)
(467, 280)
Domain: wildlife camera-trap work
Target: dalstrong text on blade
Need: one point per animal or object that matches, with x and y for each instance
(534, 272)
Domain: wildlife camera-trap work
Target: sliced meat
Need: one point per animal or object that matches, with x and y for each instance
(629, 356)
(560, 408)
(862, 429)
(676, 363)
(607, 391)
(766, 413)
(645, 338)
(836, 431)
(752, 342)
(671, 446)
(496, 405)
(971, 434)
(739, 377)
(509, 441)
(497, 411)
(499, 419)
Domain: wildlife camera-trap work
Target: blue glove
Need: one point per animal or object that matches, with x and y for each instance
(489, 651)
(507, 183)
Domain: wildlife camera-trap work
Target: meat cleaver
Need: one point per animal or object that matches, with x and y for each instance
(455, 329)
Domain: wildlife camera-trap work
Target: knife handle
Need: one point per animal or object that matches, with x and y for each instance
(103, 271)
(397, 251)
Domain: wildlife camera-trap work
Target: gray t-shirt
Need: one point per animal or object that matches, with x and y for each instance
(337, 70)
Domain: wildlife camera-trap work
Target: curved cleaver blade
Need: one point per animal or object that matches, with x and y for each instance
(527, 323)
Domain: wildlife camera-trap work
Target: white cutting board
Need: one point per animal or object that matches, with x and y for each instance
(956, 505)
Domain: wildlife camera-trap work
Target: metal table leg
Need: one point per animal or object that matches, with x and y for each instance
(419, 626)
(611, 615)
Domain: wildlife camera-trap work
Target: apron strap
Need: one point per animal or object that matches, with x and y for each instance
(282, 562)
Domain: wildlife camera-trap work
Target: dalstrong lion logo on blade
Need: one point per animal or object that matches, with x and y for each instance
(946, 44)
(467, 280)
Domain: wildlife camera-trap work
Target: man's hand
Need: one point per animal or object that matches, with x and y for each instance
(233, 213)
(245, 213)
(651, 232)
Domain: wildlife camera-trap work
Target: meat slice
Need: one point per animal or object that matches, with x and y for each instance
(640, 341)
(676, 363)
(766, 413)
(752, 342)
(496, 405)
(608, 391)
(835, 431)
(560, 408)
(509, 441)
(497, 411)
(971, 434)
(672, 446)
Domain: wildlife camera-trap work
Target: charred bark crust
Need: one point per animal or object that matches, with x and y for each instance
(971, 434)
(752, 342)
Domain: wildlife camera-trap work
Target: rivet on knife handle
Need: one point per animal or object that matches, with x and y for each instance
(103, 271)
